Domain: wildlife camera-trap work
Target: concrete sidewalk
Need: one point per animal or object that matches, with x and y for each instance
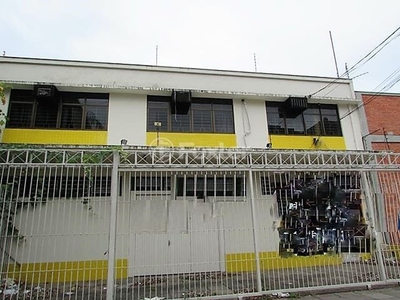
(379, 293)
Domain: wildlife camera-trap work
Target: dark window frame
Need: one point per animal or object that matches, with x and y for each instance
(160, 105)
(324, 127)
(36, 117)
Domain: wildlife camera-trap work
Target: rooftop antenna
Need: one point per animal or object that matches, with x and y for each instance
(255, 63)
(334, 54)
(347, 71)
(156, 55)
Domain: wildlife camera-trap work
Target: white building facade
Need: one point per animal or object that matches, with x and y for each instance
(175, 175)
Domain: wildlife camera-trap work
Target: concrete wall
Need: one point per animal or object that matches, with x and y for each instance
(155, 235)
(250, 123)
(127, 118)
(351, 126)
(129, 86)
(122, 76)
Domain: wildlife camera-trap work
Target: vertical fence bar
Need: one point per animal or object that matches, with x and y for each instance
(255, 231)
(113, 226)
(378, 235)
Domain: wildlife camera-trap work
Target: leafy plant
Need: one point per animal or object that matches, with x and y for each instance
(8, 210)
(3, 116)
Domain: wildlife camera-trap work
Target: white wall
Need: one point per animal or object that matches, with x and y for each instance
(62, 230)
(157, 236)
(127, 119)
(351, 127)
(123, 76)
(251, 127)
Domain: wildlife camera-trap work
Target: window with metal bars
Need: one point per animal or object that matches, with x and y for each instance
(150, 183)
(205, 115)
(211, 186)
(49, 187)
(85, 111)
(316, 120)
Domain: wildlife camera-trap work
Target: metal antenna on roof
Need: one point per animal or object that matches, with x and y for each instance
(156, 55)
(255, 63)
(334, 54)
(347, 71)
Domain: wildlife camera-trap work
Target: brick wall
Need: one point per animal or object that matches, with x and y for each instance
(382, 112)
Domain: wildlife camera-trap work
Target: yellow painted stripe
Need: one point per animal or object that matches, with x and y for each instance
(181, 139)
(307, 142)
(245, 262)
(48, 136)
(65, 271)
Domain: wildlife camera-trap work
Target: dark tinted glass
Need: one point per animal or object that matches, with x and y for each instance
(276, 122)
(71, 117)
(202, 121)
(312, 120)
(20, 115)
(46, 115)
(180, 123)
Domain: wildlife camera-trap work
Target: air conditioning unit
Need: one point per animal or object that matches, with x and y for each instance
(294, 106)
(180, 102)
(46, 93)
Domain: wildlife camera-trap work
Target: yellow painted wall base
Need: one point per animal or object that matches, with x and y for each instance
(65, 271)
(244, 262)
(181, 139)
(51, 137)
(307, 142)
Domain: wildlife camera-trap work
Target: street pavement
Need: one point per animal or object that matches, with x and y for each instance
(384, 293)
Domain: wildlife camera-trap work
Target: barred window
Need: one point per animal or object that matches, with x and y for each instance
(205, 115)
(68, 111)
(210, 186)
(316, 120)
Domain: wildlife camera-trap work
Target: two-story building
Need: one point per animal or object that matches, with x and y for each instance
(220, 171)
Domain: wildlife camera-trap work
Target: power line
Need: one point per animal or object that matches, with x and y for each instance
(388, 86)
(364, 60)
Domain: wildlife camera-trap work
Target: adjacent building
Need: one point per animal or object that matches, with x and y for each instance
(381, 132)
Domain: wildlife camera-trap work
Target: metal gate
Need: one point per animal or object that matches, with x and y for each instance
(139, 223)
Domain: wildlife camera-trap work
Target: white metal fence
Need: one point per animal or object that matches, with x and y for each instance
(137, 223)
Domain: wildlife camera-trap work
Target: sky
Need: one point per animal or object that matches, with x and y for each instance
(285, 36)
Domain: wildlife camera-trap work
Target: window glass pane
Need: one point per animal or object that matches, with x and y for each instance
(73, 100)
(332, 125)
(223, 121)
(157, 115)
(97, 102)
(20, 115)
(180, 123)
(330, 120)
(223, 106)
(312, 119)
(71, 117)
(276, 122)
(46, 114)
(202, 121)
(22, 96)
(295, 125)
(96, 117)
(202, 106)
(157, 111)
